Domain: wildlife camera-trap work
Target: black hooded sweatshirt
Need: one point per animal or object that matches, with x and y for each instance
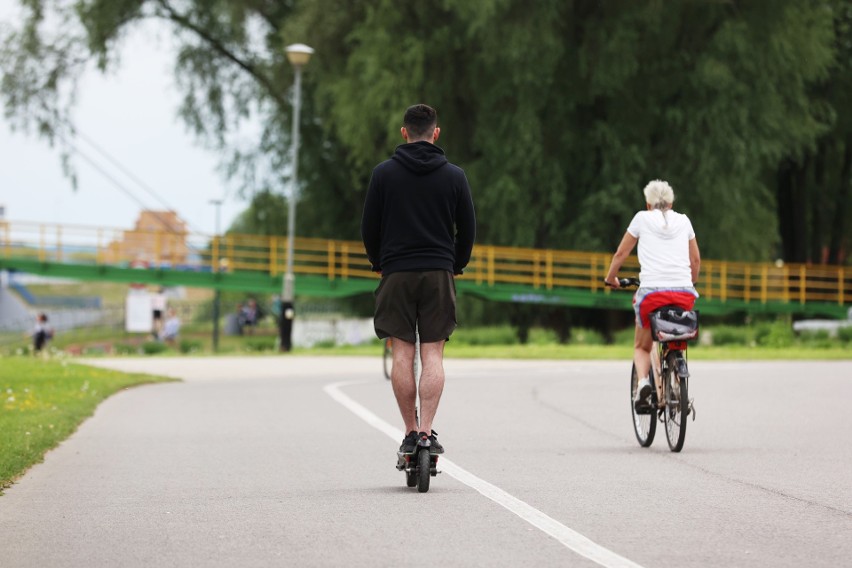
(418, 214)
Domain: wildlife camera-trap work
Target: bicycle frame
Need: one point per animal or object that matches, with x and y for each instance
(659, 360)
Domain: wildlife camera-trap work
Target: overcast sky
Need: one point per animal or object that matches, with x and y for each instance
(131, 114)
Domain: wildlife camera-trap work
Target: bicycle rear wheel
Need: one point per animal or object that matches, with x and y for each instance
(644, 420)
(677, 403)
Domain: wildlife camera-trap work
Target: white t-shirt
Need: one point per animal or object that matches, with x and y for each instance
(158, 301)
(663, 248)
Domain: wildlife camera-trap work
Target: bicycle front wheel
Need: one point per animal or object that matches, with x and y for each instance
(644, 419)
(677, 403)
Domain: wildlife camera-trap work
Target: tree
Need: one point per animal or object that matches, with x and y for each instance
(560, 112)
(813, 185)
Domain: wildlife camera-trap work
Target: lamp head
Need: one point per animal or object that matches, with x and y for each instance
(299, 54)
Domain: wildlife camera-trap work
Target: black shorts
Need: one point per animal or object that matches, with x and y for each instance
(423, 299)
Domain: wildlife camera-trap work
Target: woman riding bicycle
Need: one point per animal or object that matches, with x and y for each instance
(669, 260)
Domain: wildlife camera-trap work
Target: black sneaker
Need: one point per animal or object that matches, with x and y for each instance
(435, 446)
(409, 443)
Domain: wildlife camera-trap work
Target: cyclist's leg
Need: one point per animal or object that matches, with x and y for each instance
(403, 382)
(642, 345)
(431, 382)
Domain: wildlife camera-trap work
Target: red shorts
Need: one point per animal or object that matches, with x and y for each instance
(647, 300)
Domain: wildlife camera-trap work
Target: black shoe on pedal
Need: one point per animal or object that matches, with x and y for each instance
(409, 443)
(435, 446)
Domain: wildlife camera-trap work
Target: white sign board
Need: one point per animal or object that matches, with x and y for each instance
(139, 317)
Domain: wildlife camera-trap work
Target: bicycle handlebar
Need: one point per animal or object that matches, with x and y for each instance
(625, 282)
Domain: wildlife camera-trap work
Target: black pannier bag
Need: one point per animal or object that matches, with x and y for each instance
(671, 323)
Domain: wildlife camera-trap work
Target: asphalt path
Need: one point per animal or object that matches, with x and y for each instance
(288, 461)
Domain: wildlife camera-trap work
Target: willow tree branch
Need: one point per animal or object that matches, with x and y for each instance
(184, 22)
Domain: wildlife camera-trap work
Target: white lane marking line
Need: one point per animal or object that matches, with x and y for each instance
(568, 537)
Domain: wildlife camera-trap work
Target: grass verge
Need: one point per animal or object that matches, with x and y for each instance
(42, 402)
(621, 352)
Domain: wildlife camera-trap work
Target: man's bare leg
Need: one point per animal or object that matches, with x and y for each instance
(431, 382)
(403, 382)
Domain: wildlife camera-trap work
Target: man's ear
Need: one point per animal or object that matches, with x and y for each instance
(435, 134)
(404, 133)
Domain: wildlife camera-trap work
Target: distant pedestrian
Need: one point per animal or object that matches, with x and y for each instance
(171, 327)
(158, 310)
(249, 316)
(42, 333)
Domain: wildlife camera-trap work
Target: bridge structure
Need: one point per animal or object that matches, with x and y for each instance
(338, 268)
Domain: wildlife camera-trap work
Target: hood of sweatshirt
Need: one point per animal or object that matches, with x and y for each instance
(420, 158)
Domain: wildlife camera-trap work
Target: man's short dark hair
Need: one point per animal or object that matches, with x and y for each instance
(420, 121)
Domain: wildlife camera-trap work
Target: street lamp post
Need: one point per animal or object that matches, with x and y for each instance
(298, 54)
(216, 292)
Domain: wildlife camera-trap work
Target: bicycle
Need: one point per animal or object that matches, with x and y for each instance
(672, 328)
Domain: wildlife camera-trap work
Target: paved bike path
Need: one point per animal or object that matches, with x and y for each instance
(250, 462)
(246, 463)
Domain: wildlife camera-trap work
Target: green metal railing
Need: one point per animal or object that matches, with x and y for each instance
(506, 273)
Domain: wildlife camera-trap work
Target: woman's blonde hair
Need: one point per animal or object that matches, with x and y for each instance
(659, 194)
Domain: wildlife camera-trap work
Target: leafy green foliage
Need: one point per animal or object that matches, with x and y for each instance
(559, 112)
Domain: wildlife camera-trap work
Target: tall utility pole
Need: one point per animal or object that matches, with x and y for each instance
(216, 293)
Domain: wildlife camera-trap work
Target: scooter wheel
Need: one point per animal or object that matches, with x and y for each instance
(411, 478)
(423, 470)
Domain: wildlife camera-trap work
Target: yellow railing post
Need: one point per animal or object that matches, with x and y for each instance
(593, 272)
(723, 282)
(549, 269)
(536, 270)
(490, 266)
(331, 260)
(229, 245)
(344, 261)
(764, 275)
(840, 282)
(476, 262)
(273, 256)
(214, 259)
(747, 284)
(803, 283)
(709, 279)
(786, 273)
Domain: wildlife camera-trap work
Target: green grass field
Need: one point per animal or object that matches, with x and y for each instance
(44, 401)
